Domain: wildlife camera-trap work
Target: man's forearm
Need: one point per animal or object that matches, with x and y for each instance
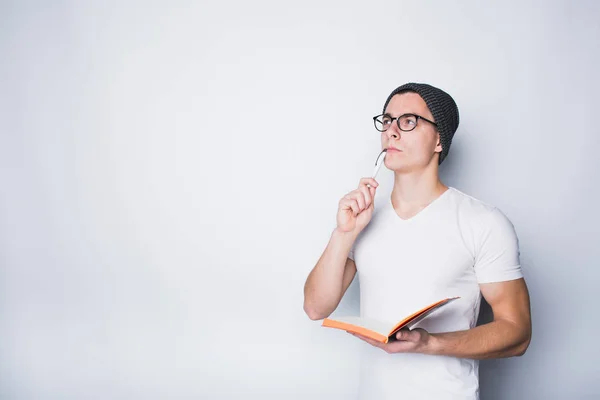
(325, 283)
(496, 339)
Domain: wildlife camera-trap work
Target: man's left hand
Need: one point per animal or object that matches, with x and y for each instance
(408, 341)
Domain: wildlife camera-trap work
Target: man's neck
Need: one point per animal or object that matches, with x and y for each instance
(415, 190)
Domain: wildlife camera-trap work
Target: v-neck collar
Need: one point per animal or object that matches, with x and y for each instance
(420, 213)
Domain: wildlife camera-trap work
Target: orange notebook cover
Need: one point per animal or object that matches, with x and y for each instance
(381, 331)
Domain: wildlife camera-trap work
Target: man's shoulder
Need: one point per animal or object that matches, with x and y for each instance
(476, 211)
(470, 204)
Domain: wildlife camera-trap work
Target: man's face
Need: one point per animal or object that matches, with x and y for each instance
(418, 147)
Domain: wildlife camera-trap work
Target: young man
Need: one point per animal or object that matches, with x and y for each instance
(426, 242)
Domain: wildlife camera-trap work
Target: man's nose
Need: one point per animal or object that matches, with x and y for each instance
(393, 132)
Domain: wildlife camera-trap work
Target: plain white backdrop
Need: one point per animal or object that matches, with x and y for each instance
(170, 173)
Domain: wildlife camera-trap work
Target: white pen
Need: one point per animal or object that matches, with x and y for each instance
(378, 164)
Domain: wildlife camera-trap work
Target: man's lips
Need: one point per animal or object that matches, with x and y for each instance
(391, 149)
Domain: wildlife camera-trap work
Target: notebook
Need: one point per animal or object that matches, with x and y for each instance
(379, 330)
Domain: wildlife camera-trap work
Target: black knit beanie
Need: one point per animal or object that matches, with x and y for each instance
(442, 107)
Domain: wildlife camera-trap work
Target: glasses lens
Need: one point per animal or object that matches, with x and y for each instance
(408, 122)
(382, 122)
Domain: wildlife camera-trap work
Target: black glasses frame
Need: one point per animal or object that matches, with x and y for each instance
(418, 117)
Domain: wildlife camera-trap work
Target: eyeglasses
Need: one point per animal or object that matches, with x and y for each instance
(406, 122)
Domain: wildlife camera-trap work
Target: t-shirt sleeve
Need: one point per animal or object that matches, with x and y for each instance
(498, 255)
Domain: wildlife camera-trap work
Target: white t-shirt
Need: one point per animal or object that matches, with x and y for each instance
(446, 250)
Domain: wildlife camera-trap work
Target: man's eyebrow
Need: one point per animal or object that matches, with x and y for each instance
(404, 113)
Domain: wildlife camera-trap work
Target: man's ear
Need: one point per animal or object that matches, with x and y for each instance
(438, 146)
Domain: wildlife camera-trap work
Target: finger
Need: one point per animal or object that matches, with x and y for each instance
(367, 195)
(399, 347)
(369, 185)
(370, 189)
(368, 181)
(394, 347)
(360, 198)
(368, 340)
(407, 335)
(350, 204)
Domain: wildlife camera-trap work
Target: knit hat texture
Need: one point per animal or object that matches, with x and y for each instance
(442, 107)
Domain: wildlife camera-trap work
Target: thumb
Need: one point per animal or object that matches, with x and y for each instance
(405, 334)
(372, 191)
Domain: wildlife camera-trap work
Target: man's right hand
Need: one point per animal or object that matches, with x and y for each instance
(355, 209)
(334, 271)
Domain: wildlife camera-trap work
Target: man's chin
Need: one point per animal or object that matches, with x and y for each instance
(399, 166)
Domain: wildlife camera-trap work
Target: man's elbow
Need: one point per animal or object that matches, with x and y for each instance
(523, 346)
(313, 312)
(313, 315)
(520, 351)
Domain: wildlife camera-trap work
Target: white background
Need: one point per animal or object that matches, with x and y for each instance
(170, 174)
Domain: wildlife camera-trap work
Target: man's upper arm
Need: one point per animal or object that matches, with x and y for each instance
(509, 301)
(498, 270)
